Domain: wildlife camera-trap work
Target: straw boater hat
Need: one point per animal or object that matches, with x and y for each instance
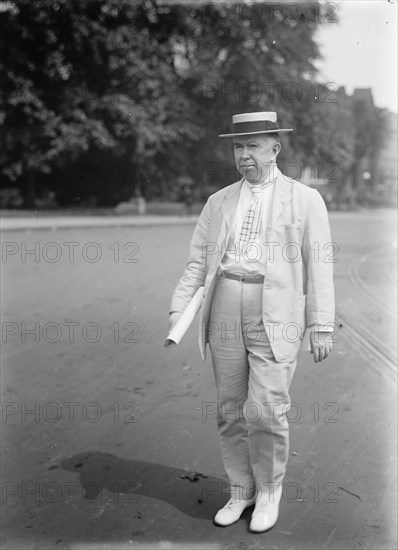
(255, 123)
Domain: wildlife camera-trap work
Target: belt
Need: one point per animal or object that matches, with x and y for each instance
(246, 278)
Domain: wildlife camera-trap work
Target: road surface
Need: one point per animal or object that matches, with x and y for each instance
(110, 440)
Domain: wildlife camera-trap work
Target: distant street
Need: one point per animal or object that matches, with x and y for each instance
(107, 437)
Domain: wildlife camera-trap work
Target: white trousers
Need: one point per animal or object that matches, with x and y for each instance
(252, 390)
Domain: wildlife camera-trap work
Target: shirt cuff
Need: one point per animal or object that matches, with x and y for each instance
(317, 327)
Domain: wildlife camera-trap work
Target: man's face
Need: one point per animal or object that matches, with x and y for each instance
(253, 156)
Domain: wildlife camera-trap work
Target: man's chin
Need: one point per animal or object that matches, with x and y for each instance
(251, 178)
(251, 174)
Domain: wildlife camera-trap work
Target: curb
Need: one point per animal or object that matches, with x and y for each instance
(31, 224)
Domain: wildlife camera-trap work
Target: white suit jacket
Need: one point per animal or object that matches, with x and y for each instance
(298, 286)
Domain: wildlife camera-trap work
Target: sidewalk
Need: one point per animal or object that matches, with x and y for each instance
(56, 222)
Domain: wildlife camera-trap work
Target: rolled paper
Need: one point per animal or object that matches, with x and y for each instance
(184, 322)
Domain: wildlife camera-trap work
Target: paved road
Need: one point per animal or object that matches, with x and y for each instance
(122, 448)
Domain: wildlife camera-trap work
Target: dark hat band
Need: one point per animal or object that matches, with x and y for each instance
(255, 126)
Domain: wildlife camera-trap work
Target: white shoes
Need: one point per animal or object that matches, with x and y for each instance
(264, 516)
(232, 511)
(266, 511)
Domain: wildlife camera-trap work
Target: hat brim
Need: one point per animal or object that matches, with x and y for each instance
(260, 132)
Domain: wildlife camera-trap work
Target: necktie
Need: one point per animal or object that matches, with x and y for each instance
(251, 223)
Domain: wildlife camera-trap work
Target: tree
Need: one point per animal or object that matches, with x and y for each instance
(143, 86)
(334, 130)
(83, 79)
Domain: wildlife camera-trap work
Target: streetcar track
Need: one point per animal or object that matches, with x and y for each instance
(383, 363)
(383, 356)
(360, 285)
(382, 347)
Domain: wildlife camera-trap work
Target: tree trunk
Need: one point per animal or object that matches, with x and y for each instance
(30, 191)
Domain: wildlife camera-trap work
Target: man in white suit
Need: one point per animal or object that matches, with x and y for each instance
(263, 252)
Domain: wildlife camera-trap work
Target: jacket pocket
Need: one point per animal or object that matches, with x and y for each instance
(298, 223)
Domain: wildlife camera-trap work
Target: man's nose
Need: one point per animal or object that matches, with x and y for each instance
(245, 152)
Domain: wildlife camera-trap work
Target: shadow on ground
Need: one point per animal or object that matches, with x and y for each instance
(193, 493)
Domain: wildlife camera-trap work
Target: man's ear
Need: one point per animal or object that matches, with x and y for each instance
(276, 148)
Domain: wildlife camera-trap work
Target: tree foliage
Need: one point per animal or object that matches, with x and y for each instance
(82, 79)
(101, 97)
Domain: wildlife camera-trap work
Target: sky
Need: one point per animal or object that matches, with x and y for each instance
(360, 51)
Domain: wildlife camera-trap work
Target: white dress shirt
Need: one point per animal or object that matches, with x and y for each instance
(249, 258)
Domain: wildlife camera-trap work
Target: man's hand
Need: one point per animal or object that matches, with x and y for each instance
(173, 318)
(321, 345)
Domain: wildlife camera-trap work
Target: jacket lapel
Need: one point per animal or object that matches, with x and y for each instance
(282, 196)
(230, 203)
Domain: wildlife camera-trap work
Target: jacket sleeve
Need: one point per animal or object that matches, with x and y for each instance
(195, 271)
(319, 256)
